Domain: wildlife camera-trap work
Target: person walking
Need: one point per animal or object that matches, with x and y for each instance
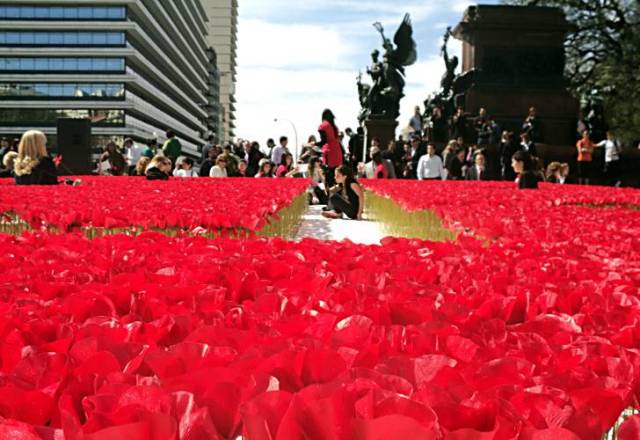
(612, 151)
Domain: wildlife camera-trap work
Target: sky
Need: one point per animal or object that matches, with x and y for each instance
(298, 57)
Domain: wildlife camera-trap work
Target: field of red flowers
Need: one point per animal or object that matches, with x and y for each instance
(525, 327)
(133, 202)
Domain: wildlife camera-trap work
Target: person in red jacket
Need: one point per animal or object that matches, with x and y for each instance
(332, 154)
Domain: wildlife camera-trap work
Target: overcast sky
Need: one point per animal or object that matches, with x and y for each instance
(298, 57)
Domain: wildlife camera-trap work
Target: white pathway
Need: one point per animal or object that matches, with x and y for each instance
(360, 232)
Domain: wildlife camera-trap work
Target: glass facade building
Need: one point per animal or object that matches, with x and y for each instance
(136, 68)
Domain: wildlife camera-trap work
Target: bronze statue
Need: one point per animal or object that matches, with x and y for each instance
(451, 65)
(383, 100)
(363, 93)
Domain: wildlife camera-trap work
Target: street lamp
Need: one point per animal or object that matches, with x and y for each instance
(295, 131)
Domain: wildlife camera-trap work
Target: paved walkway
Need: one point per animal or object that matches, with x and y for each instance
(360, 232)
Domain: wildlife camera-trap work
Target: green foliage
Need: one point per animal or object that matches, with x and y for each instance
(603, 57)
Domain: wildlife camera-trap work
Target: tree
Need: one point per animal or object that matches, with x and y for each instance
(603, 57)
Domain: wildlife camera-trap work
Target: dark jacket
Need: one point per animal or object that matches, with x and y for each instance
(472, 174)
(205, 168)
(155, 174)
(454, 168)
(45, 173)
(528, 180)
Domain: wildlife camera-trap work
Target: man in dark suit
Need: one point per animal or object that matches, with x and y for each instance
(528, 145)
(478, 170)
(418, 149)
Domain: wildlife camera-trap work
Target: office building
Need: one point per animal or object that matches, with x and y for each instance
(223, 31)
(134, 67)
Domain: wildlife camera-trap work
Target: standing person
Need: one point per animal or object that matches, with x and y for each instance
(172, 148)
(524, 167)
(612, 151)
(459, 124)
(112, 162)
(478, 170)
(331, 148)
(220, 168)
(279, 151)
(430, 166)
(531, 125)
(528, 145)
(209, 162)
(415, 124)
(253, 158)
(271, 144)
(585, 158)
(455, 165)
(349, 198)
(133, 154)
(480, 124)
(439, 123)
(33, 166)
(151, 150)
(159, 168)
(506, 149)
(418, 149)
(208, 146)
(356, 148)
(231, 160)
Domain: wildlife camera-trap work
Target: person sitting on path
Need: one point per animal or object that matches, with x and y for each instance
(348, 197)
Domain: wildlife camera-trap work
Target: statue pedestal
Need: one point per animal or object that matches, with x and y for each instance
(383, 129)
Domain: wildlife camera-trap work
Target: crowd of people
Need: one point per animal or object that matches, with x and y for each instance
(335, 160)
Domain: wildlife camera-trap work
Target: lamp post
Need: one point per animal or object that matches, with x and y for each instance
(295, 131)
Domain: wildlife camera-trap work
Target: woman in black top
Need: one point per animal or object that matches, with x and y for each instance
(522, 164)
(159, 168)
(349, 199)
(33, 166)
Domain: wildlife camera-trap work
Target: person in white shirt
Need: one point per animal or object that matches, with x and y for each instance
(186, 169)
(612, 150)
(279, 151)
(134, 153)
(220, 169)
(430, 165)
(370, 167)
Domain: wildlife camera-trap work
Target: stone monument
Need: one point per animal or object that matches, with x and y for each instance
(513, 58)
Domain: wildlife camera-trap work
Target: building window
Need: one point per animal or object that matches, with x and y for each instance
(80, 65)
(79, 13)
(64, 91)
(82, 38)
(22, 117)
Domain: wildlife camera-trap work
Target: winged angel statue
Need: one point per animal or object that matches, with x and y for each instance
(382, 99)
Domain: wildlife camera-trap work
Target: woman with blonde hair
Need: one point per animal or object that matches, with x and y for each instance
(33, 166)
(141, 166)
(554, 173)
(8, 162)
(159, 168)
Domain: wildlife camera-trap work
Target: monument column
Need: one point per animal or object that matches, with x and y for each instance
(514, 59)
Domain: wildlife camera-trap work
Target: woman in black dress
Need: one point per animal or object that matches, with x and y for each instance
(349, 198)
(33, 166)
